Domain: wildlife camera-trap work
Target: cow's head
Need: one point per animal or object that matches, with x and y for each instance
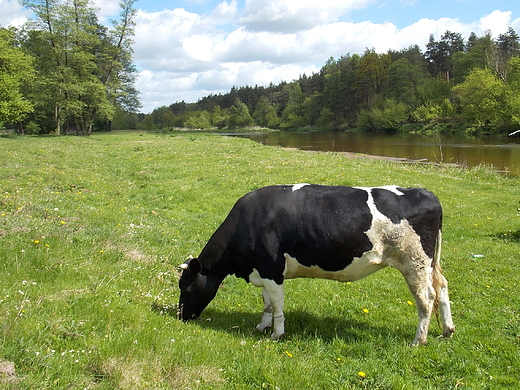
(198, 289)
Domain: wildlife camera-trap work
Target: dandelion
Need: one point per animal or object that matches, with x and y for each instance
(288, 354)
(36, 241)
(410, 303)
(362, 375)
(365, 311)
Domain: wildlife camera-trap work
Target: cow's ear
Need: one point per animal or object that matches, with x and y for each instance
(195, 266)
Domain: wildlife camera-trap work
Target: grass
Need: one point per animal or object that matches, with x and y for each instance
(92, 229)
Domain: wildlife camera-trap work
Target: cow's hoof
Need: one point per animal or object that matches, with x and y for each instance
(417, 343)
(448, 333)
(261, 328)
(276, 337)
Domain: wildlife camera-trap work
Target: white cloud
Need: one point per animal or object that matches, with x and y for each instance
(224, 13)
(12, 14)
(107, 9)
(295, 15)
(497, 22)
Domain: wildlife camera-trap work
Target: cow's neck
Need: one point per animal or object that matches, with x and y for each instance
(216, 259)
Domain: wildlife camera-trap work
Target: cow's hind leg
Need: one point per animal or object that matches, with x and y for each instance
(419, 282)
(441, 286)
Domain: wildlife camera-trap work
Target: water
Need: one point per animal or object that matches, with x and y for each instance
(501, 153)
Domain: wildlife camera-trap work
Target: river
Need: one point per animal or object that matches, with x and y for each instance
(501, 153)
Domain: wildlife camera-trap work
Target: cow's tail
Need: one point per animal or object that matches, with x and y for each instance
(437, 279)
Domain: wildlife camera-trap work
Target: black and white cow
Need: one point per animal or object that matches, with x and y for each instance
(331, 232)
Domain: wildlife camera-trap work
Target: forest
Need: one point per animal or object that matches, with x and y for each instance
(455, 86)
(65, 73)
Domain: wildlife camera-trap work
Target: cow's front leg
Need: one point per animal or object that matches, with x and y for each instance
(267, 316)
(275, 295)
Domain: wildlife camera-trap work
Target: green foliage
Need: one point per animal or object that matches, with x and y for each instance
(219, 117)
(84, 69)
(16, 69)
(483, 100)
(198, 120)
(265, 114)
(239, 115)
(389, 115)
(434, 112)
(514, 88)
(89, 278)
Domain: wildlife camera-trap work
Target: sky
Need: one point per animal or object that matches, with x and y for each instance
(187, 49)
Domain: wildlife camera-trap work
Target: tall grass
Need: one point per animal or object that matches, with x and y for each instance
(92, 229)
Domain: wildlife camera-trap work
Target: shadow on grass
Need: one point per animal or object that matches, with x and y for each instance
(508, 236)
(298, 324)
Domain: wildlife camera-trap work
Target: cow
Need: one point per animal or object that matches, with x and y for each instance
(332, 232)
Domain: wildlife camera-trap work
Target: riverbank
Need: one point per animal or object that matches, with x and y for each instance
(500, 154)
(92, 230)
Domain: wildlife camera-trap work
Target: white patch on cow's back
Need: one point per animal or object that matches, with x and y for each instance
(359, 268)
(299, 186)
(394, 189)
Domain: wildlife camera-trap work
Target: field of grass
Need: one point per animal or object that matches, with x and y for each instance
(92, 230)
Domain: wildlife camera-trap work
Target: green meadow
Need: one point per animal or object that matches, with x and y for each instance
(92, 230)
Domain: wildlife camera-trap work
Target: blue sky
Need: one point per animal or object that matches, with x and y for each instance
(187, 49)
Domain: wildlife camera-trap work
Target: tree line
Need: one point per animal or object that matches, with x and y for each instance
(455, 85)
(65, 72)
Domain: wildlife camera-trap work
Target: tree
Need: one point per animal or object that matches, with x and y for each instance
(514, 89)
(265, 114)
(385, 115)
(440, 53)
(293, 115)
(239, 115)
(403, 81)
(475, 56)
(15, 69)
(504, 48)
(370, 75)
(483, 100)
(84, 68)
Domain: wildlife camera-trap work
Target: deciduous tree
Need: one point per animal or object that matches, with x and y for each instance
(15, 70)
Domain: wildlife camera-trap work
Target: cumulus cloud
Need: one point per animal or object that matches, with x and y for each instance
(295, 15)
(497, 22)
(12, 14)
(106, 9)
